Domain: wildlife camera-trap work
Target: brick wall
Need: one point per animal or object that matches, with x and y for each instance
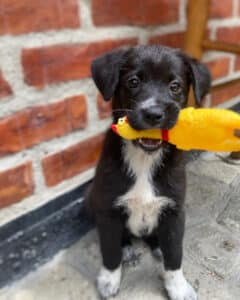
(52, 117)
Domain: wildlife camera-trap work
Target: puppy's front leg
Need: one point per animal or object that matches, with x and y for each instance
(110, 234)
(171, 237)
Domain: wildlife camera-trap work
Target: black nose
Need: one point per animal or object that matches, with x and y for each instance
(153, 115)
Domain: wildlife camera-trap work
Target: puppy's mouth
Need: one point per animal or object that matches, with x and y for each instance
(148, 144)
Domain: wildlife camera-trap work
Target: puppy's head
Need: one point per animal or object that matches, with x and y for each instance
(149, 84)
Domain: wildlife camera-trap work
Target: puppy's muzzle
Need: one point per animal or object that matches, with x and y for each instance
(153, 116)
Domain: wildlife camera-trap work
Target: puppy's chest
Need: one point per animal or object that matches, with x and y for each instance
(141, 202)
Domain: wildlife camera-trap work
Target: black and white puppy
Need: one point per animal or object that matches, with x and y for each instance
(139, 186)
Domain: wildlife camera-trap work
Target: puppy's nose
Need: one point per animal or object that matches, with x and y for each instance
(153, 115)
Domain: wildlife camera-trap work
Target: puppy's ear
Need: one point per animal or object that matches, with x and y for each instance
(105, 72)
(199, 77)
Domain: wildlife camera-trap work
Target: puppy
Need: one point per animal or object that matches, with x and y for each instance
(139, 186)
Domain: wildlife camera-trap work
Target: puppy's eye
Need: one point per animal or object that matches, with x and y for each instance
(133, 82)
(175, 87)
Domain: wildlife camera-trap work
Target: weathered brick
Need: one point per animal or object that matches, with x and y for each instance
(52, 64)
(72, 161)
(34, 125)
(225, 94)
(229, 34)
(175, 39)
(16, 184)
(104, 107)
(237, 63)
(221, 9)
(25, 16)
(77, 111)
(134, 12)
(219, 67)
(5, 89)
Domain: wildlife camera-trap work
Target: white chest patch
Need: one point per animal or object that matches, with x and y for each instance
(141, 203)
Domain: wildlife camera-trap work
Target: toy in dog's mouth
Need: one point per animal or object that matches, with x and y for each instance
(148, 144)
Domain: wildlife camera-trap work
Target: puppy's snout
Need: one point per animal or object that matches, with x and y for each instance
(153, 115)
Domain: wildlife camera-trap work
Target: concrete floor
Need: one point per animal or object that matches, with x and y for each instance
(211, 249)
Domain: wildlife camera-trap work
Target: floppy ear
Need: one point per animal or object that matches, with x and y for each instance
(198, 75)
(105, 72)
(200, 79)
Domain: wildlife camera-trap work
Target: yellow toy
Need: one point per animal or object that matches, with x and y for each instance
(196, 129)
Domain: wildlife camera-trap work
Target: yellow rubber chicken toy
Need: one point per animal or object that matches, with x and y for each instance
(196, 129)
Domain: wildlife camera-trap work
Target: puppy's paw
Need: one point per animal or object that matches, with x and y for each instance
(108, 282)
(130, 257)
(184, 293)
(177, 286)
(157, 254)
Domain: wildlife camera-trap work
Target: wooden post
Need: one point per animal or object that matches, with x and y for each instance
(197, 16)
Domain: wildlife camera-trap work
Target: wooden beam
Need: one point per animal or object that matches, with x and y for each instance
(221, 46)
(197, 16)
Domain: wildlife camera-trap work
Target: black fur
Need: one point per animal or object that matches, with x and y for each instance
(157, 69)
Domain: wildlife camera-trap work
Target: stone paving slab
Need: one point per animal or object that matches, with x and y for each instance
(211, 256)
(71, 276)
(56, 280)
(213, 247)
(205, 199)
(230, 215)
(213, 188)
(213, 166)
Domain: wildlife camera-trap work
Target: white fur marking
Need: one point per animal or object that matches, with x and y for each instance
(108, 282)
(177, 286)
(148, 102)
(141, 203)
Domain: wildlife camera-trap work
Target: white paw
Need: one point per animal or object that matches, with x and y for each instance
(184, 293)
(108, 282)
(177, 286)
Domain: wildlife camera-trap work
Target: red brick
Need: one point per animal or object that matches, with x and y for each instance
(72, 161)
(5, 89)
(221, 9)
(34, 125)
(16, 184)
(134, 12)
(229, 34)
(175, 39)
(225, 94)
(48, 65)
(77, 111)
(219, 67)
(25, 16)
(104, 107)
(237, 63)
